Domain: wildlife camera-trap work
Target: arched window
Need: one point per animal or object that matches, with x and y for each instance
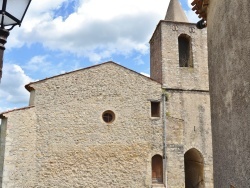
(157, 169)
(185, 51)
(194, 169)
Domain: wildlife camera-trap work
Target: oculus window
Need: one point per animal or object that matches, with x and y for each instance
(108, 116)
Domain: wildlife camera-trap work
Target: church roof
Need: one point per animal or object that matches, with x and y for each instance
(175, 12)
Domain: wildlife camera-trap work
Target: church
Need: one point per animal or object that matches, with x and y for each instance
(109, 126)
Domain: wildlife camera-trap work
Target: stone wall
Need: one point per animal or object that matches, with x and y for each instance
(74, 146)
(18, 148)
(174, 76)
(156, 56)
(188, 126)
(228, 47)
(188, 105)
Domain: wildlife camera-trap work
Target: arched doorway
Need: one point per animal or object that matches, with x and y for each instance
(157, 169)
(194, 169)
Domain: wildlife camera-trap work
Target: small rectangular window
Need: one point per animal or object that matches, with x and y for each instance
(155, 109)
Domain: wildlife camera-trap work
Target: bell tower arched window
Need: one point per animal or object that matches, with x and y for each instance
(185, 51)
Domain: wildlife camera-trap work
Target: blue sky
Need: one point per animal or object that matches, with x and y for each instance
(64, 35)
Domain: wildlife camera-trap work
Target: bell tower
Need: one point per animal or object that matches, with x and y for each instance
(179, 61)
(179, 52)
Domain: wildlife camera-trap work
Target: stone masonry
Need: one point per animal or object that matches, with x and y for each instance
(74, 147)
(229, 71)
(187, 89)
(160, 135)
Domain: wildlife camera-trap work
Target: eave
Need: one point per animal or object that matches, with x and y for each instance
(200, 8)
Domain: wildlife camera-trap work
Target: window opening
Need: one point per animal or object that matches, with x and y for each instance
(108, 116)
(155, 109)
(185, 51)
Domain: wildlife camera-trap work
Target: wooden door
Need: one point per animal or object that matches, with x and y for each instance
(157, 169)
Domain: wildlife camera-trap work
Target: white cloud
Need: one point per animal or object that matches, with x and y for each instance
(145, 74)
(41, 64)
(37, 63)
(12, 86)
(96, 29)
(192, 17)
(138, 60)
(189, 3)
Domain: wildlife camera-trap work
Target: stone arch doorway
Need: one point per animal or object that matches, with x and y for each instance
(194, 169)
(157, 169)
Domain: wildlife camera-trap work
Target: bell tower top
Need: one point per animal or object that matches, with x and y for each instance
(178, 52)
(175, 12)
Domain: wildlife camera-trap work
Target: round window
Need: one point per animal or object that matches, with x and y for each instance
(108, 116)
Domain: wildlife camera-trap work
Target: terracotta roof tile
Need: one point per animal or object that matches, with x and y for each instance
(200, 8)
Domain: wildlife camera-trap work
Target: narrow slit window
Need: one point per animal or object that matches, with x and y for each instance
(155, 109)
(185, 51)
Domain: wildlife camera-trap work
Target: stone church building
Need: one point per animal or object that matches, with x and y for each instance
(108, 126)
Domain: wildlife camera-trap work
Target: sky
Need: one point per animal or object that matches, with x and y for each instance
(59, 36)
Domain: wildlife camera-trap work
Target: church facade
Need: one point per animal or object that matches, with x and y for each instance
(108, 126)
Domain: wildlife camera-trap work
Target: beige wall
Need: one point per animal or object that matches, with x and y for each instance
(18, 147)
(188, 105)
(188, 126)
(74, 147)
(156, 55)
(229, 69)
(174, 76)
